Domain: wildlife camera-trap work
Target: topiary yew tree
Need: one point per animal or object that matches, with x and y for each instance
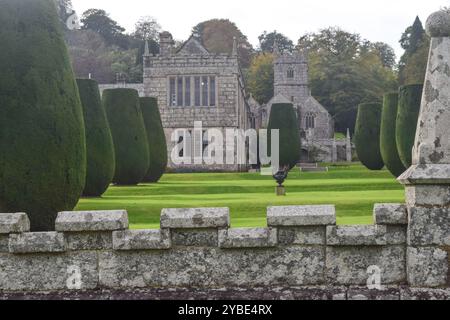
(42, 138)
(129, 135)
(409, 100)
(367, 135)
(388, 144)
(99, 144)
(156, 139)
(283, 117)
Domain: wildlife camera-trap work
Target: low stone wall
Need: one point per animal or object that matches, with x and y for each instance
(195, 248)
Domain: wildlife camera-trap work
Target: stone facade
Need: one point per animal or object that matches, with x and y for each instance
(193, 85)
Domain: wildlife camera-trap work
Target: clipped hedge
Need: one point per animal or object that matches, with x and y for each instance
(409, 100)
(367, 135)
(156, 139)
(283, 117)
(388, 144)
(99, 143)
(129, 135)
(42, 138)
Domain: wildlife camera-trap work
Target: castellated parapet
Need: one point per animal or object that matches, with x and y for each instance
(301, 250)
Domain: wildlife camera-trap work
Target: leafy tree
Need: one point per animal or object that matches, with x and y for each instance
(129, 135)
(42, 140)
(260, 77)
(384, 51)
(415, 42)
(367, 135)
(156, 139)
(147, 28)
(346, 71)
(99, 21)
(267, 40)
(217, 36)
(99, 143)
(388, 143)
(284, 119)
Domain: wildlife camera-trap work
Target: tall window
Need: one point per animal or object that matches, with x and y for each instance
(187, 91)
(197, 91)
(172, 94)
(290, 74)
(212, 91)
(198, 101)
(310, 121)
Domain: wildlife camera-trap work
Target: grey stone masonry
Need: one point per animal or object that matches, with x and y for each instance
(92, 221)
(14, 222)
(301, 216)
(427, 181)
(390, 214)
(301, 248)
(195, 218)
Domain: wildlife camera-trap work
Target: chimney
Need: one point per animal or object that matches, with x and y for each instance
(165, 43)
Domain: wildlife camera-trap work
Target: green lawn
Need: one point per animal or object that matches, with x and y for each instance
(352, 188)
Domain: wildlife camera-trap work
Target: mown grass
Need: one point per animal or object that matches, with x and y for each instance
(352, 188)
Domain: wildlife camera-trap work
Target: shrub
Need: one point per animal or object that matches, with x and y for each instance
(283, 117)
(129, 135)
(156, 139)
(367, 135)
(388, 144)
(99, 144)
(42, 138)
(408, 114)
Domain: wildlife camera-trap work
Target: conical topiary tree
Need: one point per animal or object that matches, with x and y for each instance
(42, 138)
(283, 117)
(388, 144)
(156, 139)
(367, 135)
(129, 135)
(99, 144)
(409, 100)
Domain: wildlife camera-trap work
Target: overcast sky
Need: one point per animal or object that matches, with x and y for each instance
(375, 20)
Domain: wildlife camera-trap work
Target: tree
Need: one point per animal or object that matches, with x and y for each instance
(260, 77)
(147, 28)
(156, 139)
(388, 144)
(217, 35)
(345, 71)
(415, 42)
(129, 135)
(385, 52)
(409, 100)
(367, 135)
(99, 143)
(267, 40)
(42, 140)
(99, 21)
(284, 119)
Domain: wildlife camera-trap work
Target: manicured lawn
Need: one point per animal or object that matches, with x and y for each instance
(352, 188)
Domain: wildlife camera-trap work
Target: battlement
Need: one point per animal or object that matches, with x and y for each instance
(196, 248)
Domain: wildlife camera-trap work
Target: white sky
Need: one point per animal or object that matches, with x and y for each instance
(375, 20)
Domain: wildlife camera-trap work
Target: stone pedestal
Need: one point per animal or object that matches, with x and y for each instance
(427, 182)
(280, 191)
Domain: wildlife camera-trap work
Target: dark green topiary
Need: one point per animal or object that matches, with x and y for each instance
(99, 144)
(409, 100)
(42, 138)
(388, 144)
(367, 135)
(156, 139)
(129, 135)
(283, 117)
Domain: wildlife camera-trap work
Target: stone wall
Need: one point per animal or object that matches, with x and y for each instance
(301, 248)
(136, 86)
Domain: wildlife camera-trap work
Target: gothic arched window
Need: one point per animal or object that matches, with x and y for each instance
(310, 121)
(290, 74)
